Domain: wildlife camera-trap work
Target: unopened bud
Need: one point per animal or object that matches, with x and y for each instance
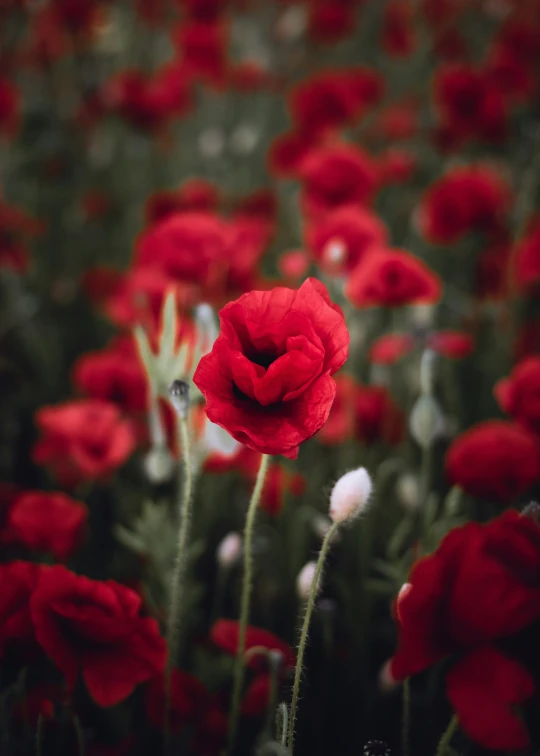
(426, 372)
(179, 396)
(229, 550)
(408, 491)
(532, 510)
(159, 465)
(426, 422)
(350, 495)
(304, 581)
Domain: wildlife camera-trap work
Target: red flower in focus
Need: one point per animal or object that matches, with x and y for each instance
(398, 38)
(267, 380)
(392, 278)
(527, 262)
(494, 460)
(9, 107)
(95, 629)
(224, 634)
(390, 348)
(465, 199)
(336, 175)
(189, 700)
(50, 522)
(519, 395)
(82, 440)
(470, 105)
(478, 587)
(340, 240)
(340, 424)
(18, 582)
(114, 374)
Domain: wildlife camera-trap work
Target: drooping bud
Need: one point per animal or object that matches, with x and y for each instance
(350, 495)
(426, 422)
(229, 550)
(179, 396)
(304, 580)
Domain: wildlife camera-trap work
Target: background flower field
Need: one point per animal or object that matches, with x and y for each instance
(354, 184)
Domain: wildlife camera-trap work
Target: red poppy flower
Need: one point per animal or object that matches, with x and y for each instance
(494, 460)
(114, 374)
(519, 395)
(527, 262)
(50, 522)
(397, 166)
(470, 105)
(376, 416)
(257, 697)
(294, 265)
(340, 424)
(474, 590)
(82, 440)
(267, 380)
(224, 634)
(528, 340)
(330, 21)
(9, 107)
(202, 46)
(390, 348)
(95, 629)
(463, 200)
(392, 278)
(336, 175)
(18, 582)
(398, 38)
(189, 700)
(453, 344)
(190, 248)
(340, 240)
(492, 277)
(323, 102)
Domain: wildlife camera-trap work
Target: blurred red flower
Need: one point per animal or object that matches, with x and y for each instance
(477, 588)
(331, 20)
(9, 107)
(267, 380)
(392, 278)
(114, 374)
(470, 105)
(340, 240)
(287, 152)
(519, 394)
(82, 440)
(453, 344)
(224, 634)
(527, 261)
(465, 199)
(18, 582)
(50, 522)
(398, 37)
(202, 47)
(336, 175)
(95, 629)
(188, 703)
(494, 460)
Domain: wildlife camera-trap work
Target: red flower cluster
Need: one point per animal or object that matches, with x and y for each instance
(268, 379)
(519, 395)
(468, 600)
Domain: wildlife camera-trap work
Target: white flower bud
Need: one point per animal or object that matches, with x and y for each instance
(229, 550)
(159, 465)
(350, 495)
(426, 422)
(305, 580)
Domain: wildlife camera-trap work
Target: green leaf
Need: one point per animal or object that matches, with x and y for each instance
(168, 332)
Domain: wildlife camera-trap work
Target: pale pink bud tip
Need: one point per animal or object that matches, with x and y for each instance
(304, 580)
(229, 550)
(386, 680)
(350, 495)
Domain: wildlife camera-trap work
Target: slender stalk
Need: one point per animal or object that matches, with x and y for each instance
(81, 749)
(39, 735)
(304, 633)
(247, 586)
(447, 737)
(406, 718)
(282, 723)
(175, 613)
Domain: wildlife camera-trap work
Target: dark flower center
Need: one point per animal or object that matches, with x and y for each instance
(264, 359)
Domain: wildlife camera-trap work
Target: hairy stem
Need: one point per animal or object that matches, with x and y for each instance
(304, 633)
(247, 586)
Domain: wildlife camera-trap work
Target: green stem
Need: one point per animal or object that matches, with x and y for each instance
(39, 735)
(304, 633)
(247, 586)
(174, 625)
(447, 737)
(81, 749)
(406, 717)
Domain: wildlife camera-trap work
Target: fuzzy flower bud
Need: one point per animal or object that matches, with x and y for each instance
(229, 550)
(159, 465)
(426, 422)
(179, 396)
(350, 495)
(305, 580)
